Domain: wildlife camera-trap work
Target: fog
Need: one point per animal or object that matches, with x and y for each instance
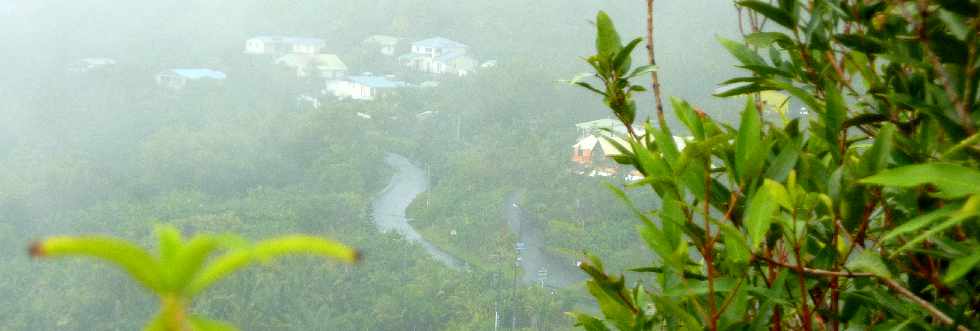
(118, 115)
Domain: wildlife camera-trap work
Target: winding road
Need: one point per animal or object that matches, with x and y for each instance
(388, 209)
(388, 212)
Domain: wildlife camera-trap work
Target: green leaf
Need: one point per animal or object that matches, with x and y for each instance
(765, 70)
(965, 8)
(217, 270)
(960, 267)
(748, 145)
(590, 88)
(587, 322)
(622, 61)
(834, 117)
(607, 41)
(136, 261)
(778, 193)
(876, 158)
(170, 242)
(744, 54)
(736, 247)
(918, 222)
(956, 24)
(780, 16)
(739, 88)
(758, 216)
(970, 210)
(303, 244)
(786, 160)
(952, 180)
(203, 324)
(687, 115)
(791, 7)
(799, 93)
(658, 243)
(861, 43)
(699, 288)
(190, 259)
(676, 311)
(765, 39)
(869, 261)
(642, 70)
(156, 324)
(672, 220)
(611, 303)
(666, 145)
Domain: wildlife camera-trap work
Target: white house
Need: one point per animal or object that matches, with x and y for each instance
(90, 64)
(178, 79)
(325, 65)
(593, 151)
(364, 87)
(385, 44)
(603, 126)
(264, 45)
(439, 56)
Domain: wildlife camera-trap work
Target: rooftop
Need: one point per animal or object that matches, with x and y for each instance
(199, 73)
(382, 39)
(605, 125)
(376, 81)
(450, 56)
(292, 40)
(439, 42)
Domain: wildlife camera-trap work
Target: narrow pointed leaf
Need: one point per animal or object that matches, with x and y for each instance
(218, 269)
(749, 142)
(302, 244)
(869, 261)
(758, 216)
(776, 14)
(622, 62)
(136, 261)
(191, 259)
(960, 267)
(952, 180)
(741, 52)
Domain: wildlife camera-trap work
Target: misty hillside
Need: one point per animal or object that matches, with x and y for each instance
(445, 149)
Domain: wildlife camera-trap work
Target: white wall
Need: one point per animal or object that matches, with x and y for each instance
(255, 46)
(343, 89)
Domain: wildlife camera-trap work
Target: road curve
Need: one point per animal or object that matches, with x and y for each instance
(388, 209)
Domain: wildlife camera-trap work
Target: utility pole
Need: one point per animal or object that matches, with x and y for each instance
(513, 303)
(518, 247)
(496, 317)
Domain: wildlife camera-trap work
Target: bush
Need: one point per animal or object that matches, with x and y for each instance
(865, 217)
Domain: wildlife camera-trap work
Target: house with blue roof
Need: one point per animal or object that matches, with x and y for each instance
(439, 56)
(365, 87)
(178, 79)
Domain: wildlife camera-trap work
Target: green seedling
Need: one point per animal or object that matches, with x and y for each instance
(184, 269)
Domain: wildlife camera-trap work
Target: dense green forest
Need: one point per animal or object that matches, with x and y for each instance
(110, 153)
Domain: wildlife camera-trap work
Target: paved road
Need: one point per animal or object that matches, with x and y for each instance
(533, 256)
(388, 209)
